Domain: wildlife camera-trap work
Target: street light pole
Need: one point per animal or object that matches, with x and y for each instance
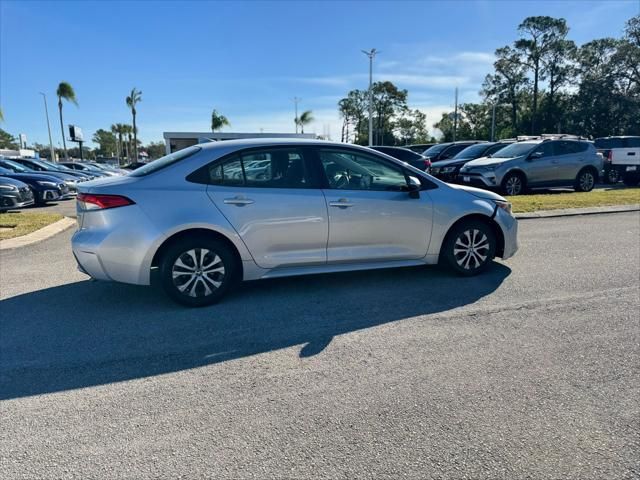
(46, 112)
(371, 54)
(493, 122)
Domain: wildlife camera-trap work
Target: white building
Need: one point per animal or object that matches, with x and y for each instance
(178, 140)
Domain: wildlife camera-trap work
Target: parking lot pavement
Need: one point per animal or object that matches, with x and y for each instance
(529, 371)
(64, 207)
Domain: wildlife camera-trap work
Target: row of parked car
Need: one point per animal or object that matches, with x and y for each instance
(516, 165)
(30, 181)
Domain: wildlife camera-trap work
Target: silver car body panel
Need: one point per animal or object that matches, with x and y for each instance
(278, 232)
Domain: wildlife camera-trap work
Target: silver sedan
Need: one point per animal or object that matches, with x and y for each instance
(204, 220)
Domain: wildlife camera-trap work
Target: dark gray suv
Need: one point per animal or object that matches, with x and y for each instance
(536, 163)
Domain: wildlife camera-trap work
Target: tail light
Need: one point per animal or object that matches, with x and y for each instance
(88, 201)
(610, 156)
(427, 163)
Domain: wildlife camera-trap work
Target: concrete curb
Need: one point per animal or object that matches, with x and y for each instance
(39, 235)
(569, 212)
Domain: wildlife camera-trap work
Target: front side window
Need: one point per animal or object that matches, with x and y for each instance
(543, 150)
(354, 171)
(277, 168)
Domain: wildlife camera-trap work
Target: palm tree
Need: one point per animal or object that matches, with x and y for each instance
(218, 121)
(126, 132)
(119, 130)
(134, 97)
(1, 116)
(65, 92)
(304, 119)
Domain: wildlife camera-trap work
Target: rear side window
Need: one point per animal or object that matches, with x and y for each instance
(453, 150)
(273, 168)
(607, 143)
(164, 162)
(633, 142)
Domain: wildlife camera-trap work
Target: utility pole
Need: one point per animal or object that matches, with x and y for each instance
(295, 101)
(493, 122)
(371, 54)
(46, 112)
(455, 117)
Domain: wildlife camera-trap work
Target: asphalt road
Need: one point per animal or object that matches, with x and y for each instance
(530, 371)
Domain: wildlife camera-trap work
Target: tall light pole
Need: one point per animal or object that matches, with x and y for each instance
(371, 54)
(295, 101)
(455, 117)
(493, 122)
(46, 112)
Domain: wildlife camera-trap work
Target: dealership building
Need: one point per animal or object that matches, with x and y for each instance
(178, 140)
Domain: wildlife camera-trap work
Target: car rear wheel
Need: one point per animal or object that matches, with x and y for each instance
(513, 184)
(198, 272)
(612, 175)
(585, 181)
(470, 247)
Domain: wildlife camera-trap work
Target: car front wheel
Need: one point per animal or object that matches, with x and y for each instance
(470, 247)
(513, 184)
(198, 272)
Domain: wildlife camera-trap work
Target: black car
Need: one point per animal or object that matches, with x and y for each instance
(412, 158)
(420, 147)
(45, 166)
(447, 170)
(446, 151)
(70, 182)
(14, 194)
(134, 165)
(45, 188)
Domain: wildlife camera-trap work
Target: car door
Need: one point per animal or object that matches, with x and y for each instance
(540, 166)
(372, 216)
(271, 200)
(568, 160)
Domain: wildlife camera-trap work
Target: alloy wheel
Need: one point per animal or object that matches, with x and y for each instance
(198, 272)
(586, 181)
(471, 249)
(513, 185)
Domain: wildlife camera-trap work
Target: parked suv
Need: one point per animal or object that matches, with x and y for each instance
(447, 170)
(14, 194)
(537, 163)
(621, 159)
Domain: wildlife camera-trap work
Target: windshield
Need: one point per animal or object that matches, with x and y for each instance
(15, 166)
(474, 151)
(436, 149)
(515, 150)
(164, 161)
(57, 166)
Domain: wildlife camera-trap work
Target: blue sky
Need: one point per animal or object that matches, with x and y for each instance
(249, 59)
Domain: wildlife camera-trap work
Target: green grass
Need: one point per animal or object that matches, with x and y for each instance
(600, 197)
(21, 223)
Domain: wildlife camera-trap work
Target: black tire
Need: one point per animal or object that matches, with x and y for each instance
(461, 259)
(631, 180)
(186, 259)
(585, 180)
(514, 183)
(612, 175)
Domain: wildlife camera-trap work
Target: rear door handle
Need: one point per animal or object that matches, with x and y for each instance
(342, 203)
(239, 201)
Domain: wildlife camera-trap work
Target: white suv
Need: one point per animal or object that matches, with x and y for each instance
(622, 158)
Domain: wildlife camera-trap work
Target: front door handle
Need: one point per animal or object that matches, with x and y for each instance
(631, 153)
(239, 201)
(342, 203)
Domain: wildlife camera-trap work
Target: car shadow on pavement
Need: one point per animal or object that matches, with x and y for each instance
(92, 333)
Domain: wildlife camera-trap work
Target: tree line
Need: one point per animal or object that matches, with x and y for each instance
(541, 83)
(544, 83)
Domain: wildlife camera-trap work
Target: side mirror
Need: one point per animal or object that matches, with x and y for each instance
(535, 155)
(414, 190)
